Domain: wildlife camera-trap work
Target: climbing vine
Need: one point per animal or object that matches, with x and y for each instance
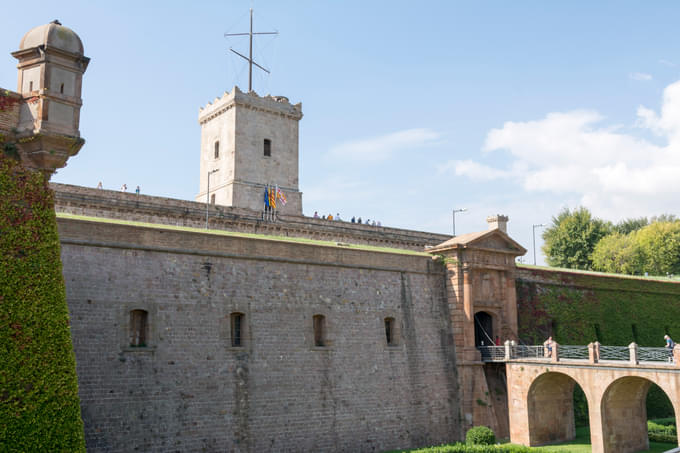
(39, 404)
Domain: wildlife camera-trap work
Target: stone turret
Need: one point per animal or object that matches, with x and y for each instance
(51, 66)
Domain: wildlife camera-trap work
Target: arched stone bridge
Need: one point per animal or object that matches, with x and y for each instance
(615, 381)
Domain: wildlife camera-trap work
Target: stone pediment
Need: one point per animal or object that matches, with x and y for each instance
(495, 240)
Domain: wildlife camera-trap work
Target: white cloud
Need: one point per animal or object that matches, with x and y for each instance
(382, 147)
(640, 76)
(613, 172)
(670, 64)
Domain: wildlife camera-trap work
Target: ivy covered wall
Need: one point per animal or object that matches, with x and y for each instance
(579, 307)
(39, 404)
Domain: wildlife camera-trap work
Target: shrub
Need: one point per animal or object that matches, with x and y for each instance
(661, 432)
(480, 435)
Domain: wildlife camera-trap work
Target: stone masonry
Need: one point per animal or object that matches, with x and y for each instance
(188, 389)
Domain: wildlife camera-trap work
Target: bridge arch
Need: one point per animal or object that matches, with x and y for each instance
(623, 410)
(550, 408)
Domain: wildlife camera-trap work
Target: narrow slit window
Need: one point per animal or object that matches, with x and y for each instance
(389, 331)
(267, 147)
(30, 86)
(212, 199)
(217, 149)
(237, 330)
(319, 330)
(138, 328)
(61, 89)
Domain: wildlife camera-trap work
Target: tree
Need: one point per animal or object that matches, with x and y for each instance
(629, 225)
(619, 253)
(660, 243)
(570, 240)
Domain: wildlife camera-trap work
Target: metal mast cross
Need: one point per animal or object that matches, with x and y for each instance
(249, 58)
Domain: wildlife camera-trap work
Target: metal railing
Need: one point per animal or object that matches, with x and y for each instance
(492, 353)
(592, 353)
(568, 351)
(615, 353)
(654, 355)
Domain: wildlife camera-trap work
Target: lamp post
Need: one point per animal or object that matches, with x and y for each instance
(207, 196)
(454, 219)
(534, 235)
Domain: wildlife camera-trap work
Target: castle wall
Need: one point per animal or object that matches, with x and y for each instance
(190, 390)
(9, 114)
(143, 208)
(578, 307)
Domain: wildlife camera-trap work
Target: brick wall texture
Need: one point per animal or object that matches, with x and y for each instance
(190, 390)
(9, 116)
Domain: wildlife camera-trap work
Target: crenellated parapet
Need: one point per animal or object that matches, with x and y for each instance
(279, 105)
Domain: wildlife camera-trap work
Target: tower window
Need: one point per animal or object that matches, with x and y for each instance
(138, 328)
(61, 89)
(236, 330)
(267, 147)
(319, 322)
(217, 149)
(212, 199)
(30, 86)
(390, 331)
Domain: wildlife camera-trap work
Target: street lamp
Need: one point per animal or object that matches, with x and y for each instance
(207, 196)
(454, 219)
(534, 234)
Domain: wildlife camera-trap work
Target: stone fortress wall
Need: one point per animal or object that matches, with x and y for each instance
(144, 208)
(188, 389)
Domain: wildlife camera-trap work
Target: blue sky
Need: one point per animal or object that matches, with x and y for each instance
(411, 108)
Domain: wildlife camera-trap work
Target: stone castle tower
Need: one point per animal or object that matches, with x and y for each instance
(46, 120)
(247, 142)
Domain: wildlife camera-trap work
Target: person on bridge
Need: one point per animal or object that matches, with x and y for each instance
(547, 345)
(670, 345)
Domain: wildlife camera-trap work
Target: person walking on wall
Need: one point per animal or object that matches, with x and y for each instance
(670, 344)
(137, 190)
(100, 185)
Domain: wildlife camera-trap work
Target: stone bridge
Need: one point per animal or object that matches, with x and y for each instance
(614, 379)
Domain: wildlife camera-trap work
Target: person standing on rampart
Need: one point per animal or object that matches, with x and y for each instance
(548, 347)
(670, 344)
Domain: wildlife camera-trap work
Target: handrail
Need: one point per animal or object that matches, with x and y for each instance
(591, 353)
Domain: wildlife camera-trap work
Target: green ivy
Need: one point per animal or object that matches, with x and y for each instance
(39, 404)
(577, 309)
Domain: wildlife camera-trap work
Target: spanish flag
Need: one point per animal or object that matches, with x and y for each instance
(272, 198)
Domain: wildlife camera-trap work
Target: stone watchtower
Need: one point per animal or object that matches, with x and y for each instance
(251, 141)
(51, 67)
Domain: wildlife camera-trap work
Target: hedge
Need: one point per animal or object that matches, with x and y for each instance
(39, 404)
(463, 448)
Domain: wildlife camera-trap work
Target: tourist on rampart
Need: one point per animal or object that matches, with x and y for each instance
(359, 220)
(337, 217)
(123, 188)
(316, 215)
(137, 190)
(330, 217)
(100, 185)
(354, 219)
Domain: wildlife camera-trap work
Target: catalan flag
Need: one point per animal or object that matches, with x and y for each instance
(272, 198)
(281, 196)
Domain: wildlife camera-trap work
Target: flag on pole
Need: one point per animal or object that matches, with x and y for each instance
(272, 198)
(266, 198)
(281, 196)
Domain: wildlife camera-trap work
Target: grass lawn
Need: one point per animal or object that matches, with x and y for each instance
(582, 444)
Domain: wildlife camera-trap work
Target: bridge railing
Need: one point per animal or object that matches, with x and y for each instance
(568, 351)
(654, 355)
(614, 353)
(592, 353)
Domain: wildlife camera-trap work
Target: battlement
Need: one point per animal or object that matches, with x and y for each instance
(279, 105)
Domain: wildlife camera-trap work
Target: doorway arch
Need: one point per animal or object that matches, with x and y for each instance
(483, 329)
